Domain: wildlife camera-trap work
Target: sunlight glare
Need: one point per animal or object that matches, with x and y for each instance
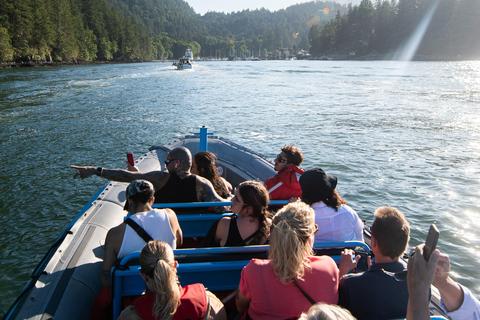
(407, 52)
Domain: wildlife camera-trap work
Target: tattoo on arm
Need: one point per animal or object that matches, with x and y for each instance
(157, 178)
(206, 193)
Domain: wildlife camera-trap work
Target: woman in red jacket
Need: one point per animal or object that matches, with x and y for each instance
(284, 185)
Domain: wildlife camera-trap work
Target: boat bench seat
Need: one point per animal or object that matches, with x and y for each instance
(197, 225)
(218, 269)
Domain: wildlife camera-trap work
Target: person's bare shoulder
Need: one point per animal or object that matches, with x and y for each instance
(114, 238)
(222, 229)
(171, 214)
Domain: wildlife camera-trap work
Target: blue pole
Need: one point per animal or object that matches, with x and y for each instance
(203, 139)
(207, 204)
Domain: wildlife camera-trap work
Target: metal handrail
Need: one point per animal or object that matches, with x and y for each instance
(208, 204)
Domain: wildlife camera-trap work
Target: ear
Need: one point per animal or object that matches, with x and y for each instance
(153, 201)
(175, 264)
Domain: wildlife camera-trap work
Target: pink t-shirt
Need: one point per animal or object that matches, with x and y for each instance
(271, 299)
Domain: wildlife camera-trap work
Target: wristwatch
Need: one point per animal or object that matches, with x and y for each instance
(99, 171)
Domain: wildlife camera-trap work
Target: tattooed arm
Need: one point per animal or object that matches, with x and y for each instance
(157, 178)
(206, 193)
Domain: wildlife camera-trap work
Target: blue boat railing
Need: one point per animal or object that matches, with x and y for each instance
(208, 204)
(216, 268)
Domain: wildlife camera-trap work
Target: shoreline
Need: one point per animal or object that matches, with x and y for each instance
(23, 64)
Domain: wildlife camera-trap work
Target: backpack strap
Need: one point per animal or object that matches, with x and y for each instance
(139, 230)
(304, 293)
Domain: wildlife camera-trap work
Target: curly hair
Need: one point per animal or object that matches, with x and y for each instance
(293, 154)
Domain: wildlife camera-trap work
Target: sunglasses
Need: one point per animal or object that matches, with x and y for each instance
(235, 201)
(167, 162)
(279, 159)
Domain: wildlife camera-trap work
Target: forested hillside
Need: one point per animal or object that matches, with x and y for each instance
(386, 26)
(86, 30)
(139, 30)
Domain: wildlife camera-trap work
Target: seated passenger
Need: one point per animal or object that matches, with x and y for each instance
(323, 311)
(158, 224)
(166, 298)
(336, 221)
(252, 225)
(203, 164)
(456, 300)
(292, 279)
(375, 294)
(284, 185)
(176, 185)
(124, 238)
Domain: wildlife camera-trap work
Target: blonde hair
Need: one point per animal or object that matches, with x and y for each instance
(323, 311)
(157, 262)
(292, 226)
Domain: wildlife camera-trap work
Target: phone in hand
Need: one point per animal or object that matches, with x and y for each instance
(130, 159)
(430, 246)
(431, 242)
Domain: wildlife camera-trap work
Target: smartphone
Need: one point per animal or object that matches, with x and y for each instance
(431, 242)
(130, 159)
(430, 246)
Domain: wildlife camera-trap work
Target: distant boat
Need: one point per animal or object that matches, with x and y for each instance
(186, 61)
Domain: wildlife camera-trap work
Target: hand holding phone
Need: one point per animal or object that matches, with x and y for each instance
(431, 242)
(130, 159)
(430, 246)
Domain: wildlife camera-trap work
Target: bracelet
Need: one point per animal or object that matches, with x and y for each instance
(99, 171)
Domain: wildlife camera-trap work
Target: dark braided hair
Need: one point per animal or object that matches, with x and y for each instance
(255, 194)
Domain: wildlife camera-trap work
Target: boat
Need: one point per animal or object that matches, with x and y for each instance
(185, 62)
(67, 280)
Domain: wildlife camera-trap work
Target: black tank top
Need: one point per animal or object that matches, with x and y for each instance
(178, 190)
(234, 238)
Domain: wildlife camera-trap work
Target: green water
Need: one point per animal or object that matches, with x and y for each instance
(405, 135)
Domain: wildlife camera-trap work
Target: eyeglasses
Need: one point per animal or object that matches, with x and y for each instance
(279, 159)
(235, 201)
(167, 162)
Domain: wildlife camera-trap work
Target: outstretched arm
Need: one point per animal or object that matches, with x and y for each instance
(206, 193)
(157, 178)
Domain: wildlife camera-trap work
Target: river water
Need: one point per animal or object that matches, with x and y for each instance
(399, 134)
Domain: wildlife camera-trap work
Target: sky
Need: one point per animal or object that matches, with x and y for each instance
(227, 6)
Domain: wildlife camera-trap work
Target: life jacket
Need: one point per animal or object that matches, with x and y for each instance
(285, 184)
(193, 304)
